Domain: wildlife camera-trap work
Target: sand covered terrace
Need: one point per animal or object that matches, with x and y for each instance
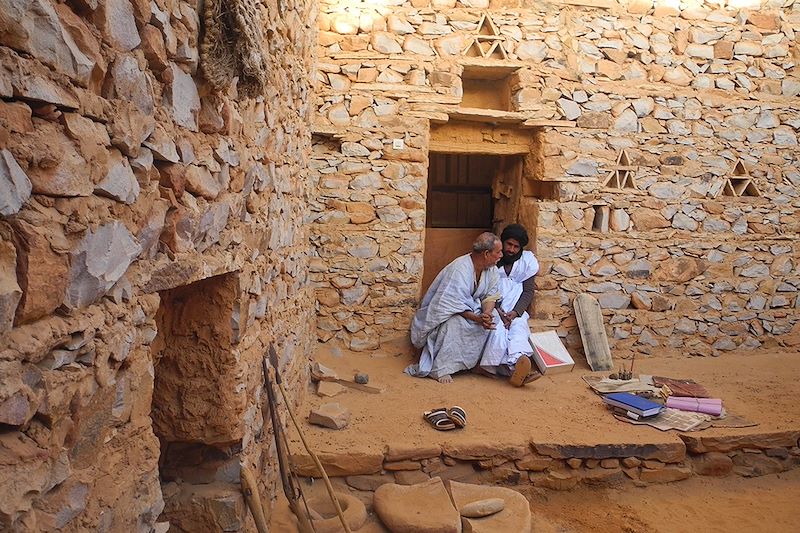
(555, 432)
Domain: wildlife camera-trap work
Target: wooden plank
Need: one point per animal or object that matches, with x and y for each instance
(593, 332)
(602, 4)
(478, 148)
(542, 123)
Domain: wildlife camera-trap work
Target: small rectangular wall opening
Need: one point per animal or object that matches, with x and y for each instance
(486, 94)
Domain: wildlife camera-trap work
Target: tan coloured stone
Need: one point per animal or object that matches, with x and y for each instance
(422, 507)
(648, 219)
(665, 475)
(42, 272)
(10, 291)
(723, 50)
(482, 508)
(385, 43)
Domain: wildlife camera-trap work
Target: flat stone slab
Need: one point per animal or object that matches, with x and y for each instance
(338, 464)
(425, 507)
(777, 439)
(515, 516)
(668, 452)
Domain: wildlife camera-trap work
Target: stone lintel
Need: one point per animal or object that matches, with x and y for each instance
(338, 464)
(669, 452)
(778, 439)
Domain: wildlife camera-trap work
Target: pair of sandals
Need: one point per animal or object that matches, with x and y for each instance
(445, 419)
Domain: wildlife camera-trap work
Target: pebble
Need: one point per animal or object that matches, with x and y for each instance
(483, 508)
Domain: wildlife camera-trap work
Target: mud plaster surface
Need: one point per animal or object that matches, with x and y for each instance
(558, 408)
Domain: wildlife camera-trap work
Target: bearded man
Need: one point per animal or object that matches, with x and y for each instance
(508, 350)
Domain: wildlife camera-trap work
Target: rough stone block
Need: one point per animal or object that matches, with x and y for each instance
(712, 464)
(667, 474)
(423, 507)
(514, 515)
(670, 452)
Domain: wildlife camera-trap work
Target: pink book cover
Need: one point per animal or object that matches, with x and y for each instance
(713, 407)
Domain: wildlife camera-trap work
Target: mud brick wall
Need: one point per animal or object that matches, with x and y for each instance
(151, 245)
(693, 103)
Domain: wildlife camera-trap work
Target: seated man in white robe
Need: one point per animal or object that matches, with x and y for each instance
(508, 350)
(457, 313)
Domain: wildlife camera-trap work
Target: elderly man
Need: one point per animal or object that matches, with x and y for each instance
(457, 313)
(508, 351)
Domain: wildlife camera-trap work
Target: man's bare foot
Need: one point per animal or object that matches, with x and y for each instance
(445, 379)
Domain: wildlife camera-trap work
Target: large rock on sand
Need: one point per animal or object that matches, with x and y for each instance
(425, 507)
(515, 516)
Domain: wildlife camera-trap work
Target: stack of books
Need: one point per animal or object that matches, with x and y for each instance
(633, 406)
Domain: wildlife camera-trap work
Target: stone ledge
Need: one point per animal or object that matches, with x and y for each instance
(668, 452)
(778, 439)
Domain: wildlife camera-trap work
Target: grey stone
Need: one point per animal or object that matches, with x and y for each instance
(755, 271)
(790, 86)
(583, 167)
(119, 182)
(15, 187)
(627, 122)
(605, 286)
(643, 106)
(640, 268)
(784, 136)
(354, 149)
(115, 19)
(681, 221)
(725, 344)
(532, 51)
(162, 145)
(101, 258)
(38, 31)
(666, 191)
(182, 98)
(571, 109)
(614, 300)
(129, 83)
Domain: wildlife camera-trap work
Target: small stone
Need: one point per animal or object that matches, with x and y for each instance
(330, 415)
(15, 187)
(361, 378)
(481, 508)
(329, 389)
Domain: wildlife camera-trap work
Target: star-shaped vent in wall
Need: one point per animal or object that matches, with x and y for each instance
(739, 183)
(487, 41)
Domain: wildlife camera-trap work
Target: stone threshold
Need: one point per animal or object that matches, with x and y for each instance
(564, 466)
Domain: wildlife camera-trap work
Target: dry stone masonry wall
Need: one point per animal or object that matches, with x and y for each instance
(151, 245)
(668, 180)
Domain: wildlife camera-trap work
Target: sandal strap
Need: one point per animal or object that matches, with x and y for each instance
(458, 415)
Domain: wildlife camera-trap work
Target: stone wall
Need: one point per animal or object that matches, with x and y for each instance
(690, 108)
(127, 189)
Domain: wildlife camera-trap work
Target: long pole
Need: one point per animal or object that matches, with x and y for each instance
(273, 357)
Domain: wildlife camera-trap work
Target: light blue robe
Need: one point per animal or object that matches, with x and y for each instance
(450, 343)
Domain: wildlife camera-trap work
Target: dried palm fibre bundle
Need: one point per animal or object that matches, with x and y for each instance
(233, 46)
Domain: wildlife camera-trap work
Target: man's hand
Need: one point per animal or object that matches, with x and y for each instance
(507, 318)
(487, 321)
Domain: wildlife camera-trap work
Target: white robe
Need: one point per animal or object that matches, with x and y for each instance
(450, 342)
(505, 346)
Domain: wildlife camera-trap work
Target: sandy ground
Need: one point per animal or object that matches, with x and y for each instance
(707, 505)
(767, 504)
(558, 408)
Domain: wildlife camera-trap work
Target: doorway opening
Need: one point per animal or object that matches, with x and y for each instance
(196, 410)
(468, 193)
